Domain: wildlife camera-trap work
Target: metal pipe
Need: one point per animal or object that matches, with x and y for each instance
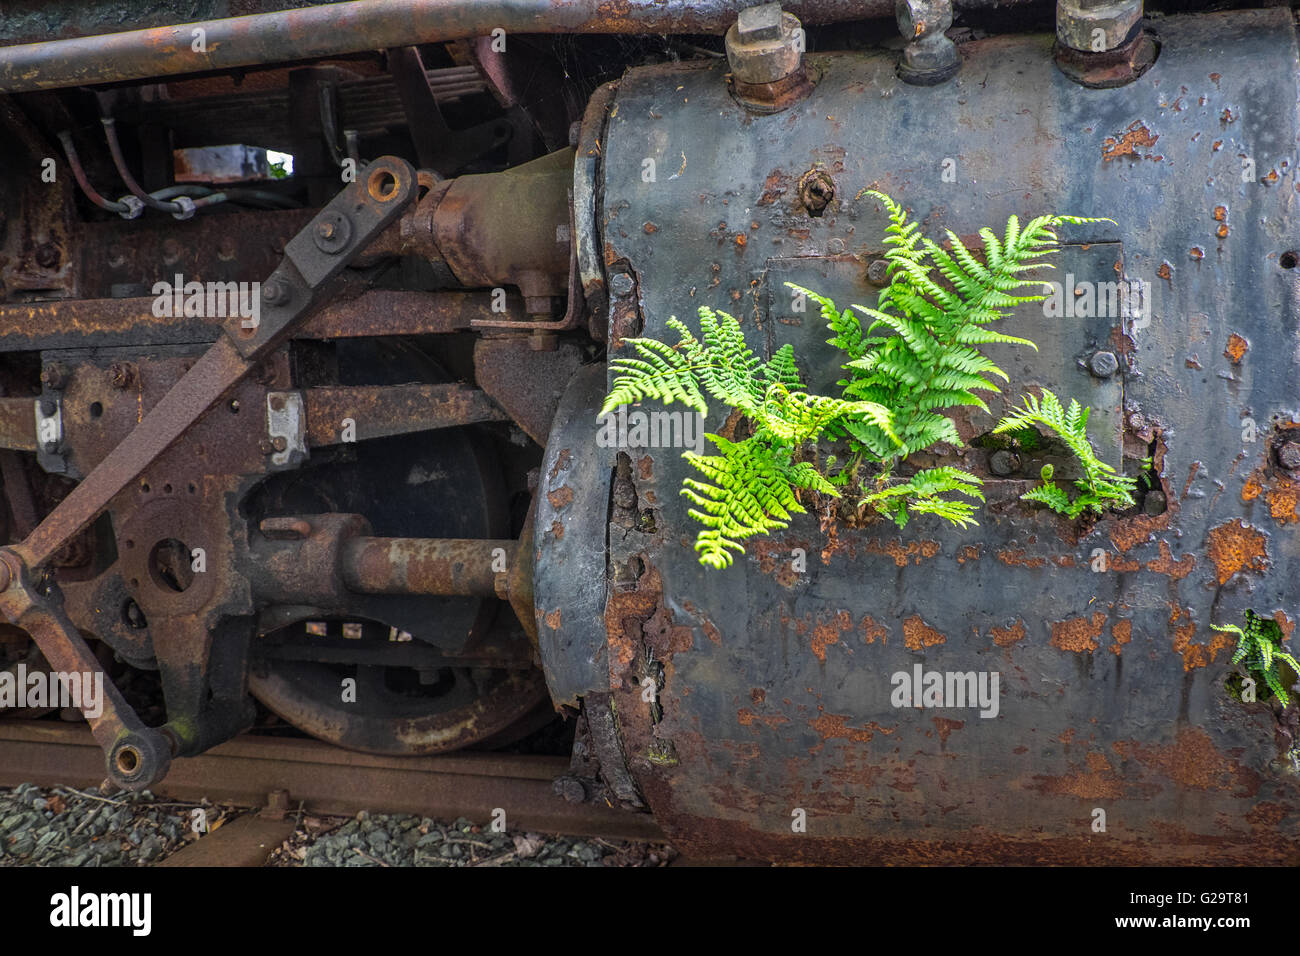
(444, 566)
(79, 175)
(358, 26)
(115, 148)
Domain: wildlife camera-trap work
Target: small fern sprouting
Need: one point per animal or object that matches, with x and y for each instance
(1259, 646)
(749, 487)
(1101, 487)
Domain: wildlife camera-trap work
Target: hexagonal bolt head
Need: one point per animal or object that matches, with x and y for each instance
(1103, 364)
(1096, 26)
(763, 44)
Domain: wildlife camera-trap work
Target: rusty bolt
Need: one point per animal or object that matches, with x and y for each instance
(1103, 364)
(279, 443)
(332, 233)
(570, 788)
(764, 45)
(620, 284)
(1003, 462)
(121, 374)
(277, 403)
(55, 375)
(48, 255)
(1288, 455)
(878, 272)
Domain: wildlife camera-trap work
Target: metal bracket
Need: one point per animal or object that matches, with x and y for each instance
(286, 426)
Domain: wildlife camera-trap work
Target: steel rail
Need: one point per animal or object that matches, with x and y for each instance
(329, 780)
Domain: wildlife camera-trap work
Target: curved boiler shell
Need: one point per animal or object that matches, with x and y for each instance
(775, 678)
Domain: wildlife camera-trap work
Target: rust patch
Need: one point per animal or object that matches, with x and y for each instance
(969, 552)
(918, 635)
(1236, 348)
(757, 695)
(1016, 558)
(1098, 780)
(1281, 494)
(1197, 253)
(1192, 761)
(828, 633)
(1165, 564)
(560, 497)
(635, 618)
(650, 228)
(561, 462)
(1122, 631)
(1220, 213)
(871, 631)
(747, 717)
(557, 530)
(1133, 531)
(774, 187)
(916, 551)
(943, 726)
(835, 726)
(553, 620)
(645, 467)
(1006, 636)
(1196, 655)
(1078, 634)
(1136, 137)
(1166, 271)
(1236, 546)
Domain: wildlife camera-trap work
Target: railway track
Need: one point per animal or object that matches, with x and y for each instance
(326, 780)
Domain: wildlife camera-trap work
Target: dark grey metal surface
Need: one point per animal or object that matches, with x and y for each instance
(569, 545)
(776, 683)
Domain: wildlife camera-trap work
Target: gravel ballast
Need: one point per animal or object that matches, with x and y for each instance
(61, 826)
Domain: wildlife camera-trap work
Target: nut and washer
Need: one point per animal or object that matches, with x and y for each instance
(1096, 26)
(764, 45)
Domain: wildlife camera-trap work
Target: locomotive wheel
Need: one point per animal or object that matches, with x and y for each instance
(441, 484)
(397, 710)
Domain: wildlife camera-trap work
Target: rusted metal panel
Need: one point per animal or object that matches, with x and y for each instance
(775, 676)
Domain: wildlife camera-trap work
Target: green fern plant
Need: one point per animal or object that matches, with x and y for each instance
(918, 355)
(1100, 487)
(1259, 646)
(749, 488)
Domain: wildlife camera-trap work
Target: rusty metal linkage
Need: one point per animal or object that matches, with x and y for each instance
(136, 755)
